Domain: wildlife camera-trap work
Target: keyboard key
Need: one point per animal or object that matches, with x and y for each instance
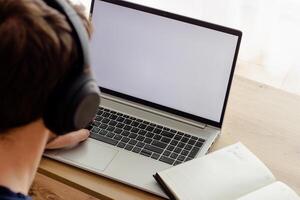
(118, 130)
(140, 138)
(201, 140)
(194, 137)
(177, 162)
(159, 126)
(167, 129)
(157, 130)
(184, 152)
(177, 137)
(142, 126)
(125, 139)
(96, 123)
(133, 142)
(112, 123)
(127, 128)
(173, 131)
(157, 137)
(95, 130)
(125, 133)
(184, 139)
(113, 112)
(117, 137)
(180, 133)
(110, 128)
(194, 152)
(104, 139)
(105, 120)
(121, 145)
(188, 158)
(132, 118)
(149, 128)
(199, 144)
(142, 132)
(145, 152)
(99, 112)
(181, 144)
(140, 144)
(159, 144)
(133, 135)
(169, 161)
(174, 155)
(134, 124)
(105, 114)
(170, 147)
(134, 130)
(120, 125)
(98, 118)
(153, 148)
(103, 132)
(148, 140)
(149, 134)
(146, 123)
(165, 139)
(103, 126)
(129, 147)
(155, 156)
(177, 150)
(152, 124)
(181, 158)
(136, 150)
(167, 153)
(188, 147)
(120, 119)
(110, 135)
(192, 142)
(167, 134)
(127, 121)
(113, 117)
(139, 120)
(174, 142)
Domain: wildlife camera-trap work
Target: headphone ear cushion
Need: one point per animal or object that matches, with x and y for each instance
(73, 106)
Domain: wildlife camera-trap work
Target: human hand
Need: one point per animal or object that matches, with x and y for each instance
(69, 140)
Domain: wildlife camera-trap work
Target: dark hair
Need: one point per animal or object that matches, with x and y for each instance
(36, 51)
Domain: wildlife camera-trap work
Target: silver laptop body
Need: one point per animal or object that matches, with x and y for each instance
(159, 67)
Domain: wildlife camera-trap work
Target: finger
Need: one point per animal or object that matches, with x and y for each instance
(69, 139)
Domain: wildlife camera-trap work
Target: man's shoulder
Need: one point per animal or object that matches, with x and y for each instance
(7, 194)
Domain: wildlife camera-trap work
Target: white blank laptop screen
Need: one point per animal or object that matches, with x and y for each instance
(161, 60)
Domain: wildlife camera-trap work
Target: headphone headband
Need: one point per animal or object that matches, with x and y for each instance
(79, 32)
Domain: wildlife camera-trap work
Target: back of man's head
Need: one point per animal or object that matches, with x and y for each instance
(36, 51)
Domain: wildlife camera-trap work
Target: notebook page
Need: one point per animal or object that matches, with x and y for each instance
(226, 174)
(275, 191)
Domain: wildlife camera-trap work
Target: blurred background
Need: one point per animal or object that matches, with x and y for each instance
(271, 34)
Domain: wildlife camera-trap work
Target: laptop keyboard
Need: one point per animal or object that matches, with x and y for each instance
(148, 139)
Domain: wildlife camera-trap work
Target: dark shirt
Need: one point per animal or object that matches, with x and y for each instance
(7, 194)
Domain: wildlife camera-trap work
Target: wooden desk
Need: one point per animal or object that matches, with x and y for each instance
(265, 119)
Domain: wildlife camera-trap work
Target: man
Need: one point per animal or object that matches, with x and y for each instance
(36, 51)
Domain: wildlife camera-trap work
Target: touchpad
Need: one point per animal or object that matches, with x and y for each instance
(90, 154)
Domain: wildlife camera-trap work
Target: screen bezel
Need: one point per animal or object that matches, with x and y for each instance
(186, 20)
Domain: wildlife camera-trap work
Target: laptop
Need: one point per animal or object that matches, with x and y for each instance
(165, 81)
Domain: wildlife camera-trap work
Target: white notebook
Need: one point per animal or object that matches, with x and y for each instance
(232, 173)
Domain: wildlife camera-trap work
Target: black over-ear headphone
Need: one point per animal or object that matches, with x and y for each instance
(74, 102)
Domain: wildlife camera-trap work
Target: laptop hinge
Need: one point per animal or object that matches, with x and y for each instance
(154, 111)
